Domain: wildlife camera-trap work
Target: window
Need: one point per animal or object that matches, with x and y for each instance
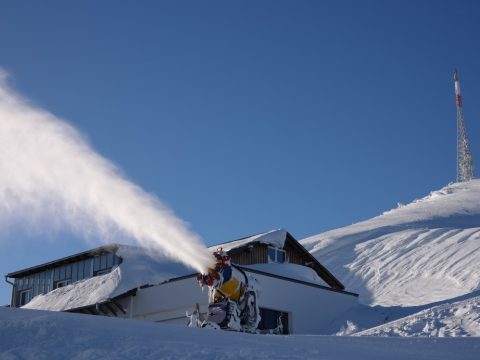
(110, 258)
(68, 271)
(81, 265)
(75, 271)
(62, 283)
(25, 296)
(103, 263)
(273, 322)
(56, 274)
(62, 272)
(96, 263)
(87, 268)
(276, 255)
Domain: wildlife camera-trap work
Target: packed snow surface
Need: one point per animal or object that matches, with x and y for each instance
(420, 253)
(33, 334)
(452, 319)
(138, 268)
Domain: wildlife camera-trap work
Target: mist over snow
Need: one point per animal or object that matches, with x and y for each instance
(51, 178)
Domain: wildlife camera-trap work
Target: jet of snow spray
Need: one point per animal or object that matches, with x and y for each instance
(51, 177)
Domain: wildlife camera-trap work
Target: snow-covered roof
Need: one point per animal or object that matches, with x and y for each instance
(291, 271)
(275, 238)
(138, 268)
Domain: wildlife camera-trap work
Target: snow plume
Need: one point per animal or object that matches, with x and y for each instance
(50, 178)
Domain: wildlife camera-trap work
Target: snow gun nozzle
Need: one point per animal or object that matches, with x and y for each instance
(213, 274)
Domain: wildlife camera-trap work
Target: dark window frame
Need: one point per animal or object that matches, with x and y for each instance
(276, 252)
(24, 296)
(269, 320)
(61, 283)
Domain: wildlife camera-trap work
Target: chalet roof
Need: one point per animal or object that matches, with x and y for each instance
(278, 238)
(275, 238)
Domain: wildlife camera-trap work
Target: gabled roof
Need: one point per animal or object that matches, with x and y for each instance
(278, 238)
(274, 237)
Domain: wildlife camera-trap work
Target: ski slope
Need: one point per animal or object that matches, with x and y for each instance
(451, 319)
(420, 253)
(37, 335)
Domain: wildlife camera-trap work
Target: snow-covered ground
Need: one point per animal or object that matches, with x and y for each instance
(33, 334)
(453, 319)
(407, 260)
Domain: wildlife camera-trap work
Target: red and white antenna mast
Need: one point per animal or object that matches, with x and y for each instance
(464, 157)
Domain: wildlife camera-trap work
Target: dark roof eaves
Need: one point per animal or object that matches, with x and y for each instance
(331, 279)
(66, 259)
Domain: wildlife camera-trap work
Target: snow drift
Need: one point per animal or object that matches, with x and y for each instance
(452, 319)
(29, 334)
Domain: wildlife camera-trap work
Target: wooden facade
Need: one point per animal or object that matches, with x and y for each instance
(257, 253)
(254, 254)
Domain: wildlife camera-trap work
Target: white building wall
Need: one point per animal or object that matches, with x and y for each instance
(310, 308)
(167, 302)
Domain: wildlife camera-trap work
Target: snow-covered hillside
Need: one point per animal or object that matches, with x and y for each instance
(420, 253)
(32, 334)
(452, 319)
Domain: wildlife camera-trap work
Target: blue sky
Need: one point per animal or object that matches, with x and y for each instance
(252, 115)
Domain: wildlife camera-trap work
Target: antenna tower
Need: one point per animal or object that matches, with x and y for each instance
(464, 157)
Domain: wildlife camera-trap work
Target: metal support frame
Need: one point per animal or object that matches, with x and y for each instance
(464, 156)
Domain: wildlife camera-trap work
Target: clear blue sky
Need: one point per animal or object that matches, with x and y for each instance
(252, 115)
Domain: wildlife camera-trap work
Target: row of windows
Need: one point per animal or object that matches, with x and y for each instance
(45, 281)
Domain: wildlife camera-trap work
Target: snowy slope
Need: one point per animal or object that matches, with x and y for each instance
(30, 334)
(452, 319)
(423, 252)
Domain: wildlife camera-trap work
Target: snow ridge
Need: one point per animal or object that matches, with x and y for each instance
(420, 253)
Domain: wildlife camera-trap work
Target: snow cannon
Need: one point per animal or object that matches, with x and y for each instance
(232, 296)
